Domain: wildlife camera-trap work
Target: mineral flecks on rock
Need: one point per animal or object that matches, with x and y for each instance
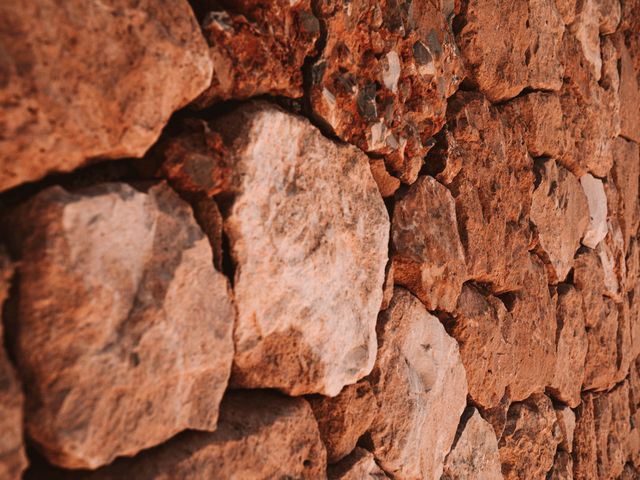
(111, 362)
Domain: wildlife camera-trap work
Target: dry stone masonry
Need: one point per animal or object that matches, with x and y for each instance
(320, 239)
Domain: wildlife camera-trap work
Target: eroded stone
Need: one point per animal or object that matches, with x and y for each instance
(360, 465)
(625, 174)
(562, 467)
(588, 277)
(597, 202)
(602, 353)
(584, 444)
(567, 423)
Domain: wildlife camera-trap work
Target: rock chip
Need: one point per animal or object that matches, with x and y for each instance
(384, 76)
(567, 423)
(588, 277)
(257, 47)
(597, 202)
(528, 445)
(309, 233)
(360, 465)
(92, 79)
(428, 258)
(571, 347)
(474, 453)
(343, 419)
(124, 328)
(511, 46)
(560, 213)
(420, 386)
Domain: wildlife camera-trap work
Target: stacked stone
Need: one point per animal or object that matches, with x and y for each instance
(384, 239)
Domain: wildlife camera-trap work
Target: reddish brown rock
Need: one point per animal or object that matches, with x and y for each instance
(387, 183)
(588, 278)
(567, 423)
(343, 419)
(559, 211)
(260, 436)
(528, 445)
(474, 453)
(257, 47)
(626, 174)
(601, 364)
(12, 457)
(130, 322)
(489, 173)
(428, 258)
(360, 465)
(584, 444)
(82, 81)
(629, 93)
(562, 467)
(420, 387)
(597, 202)
(511, 46)
(629, 473)
(571, 347)
(308, 231)
(384, 76)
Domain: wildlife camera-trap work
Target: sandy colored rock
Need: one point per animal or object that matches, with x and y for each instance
(571, 347)
(478, 327)
(511, 46)
(343, 419)
(567, 423)
(601, 364)
(528, 444)
(92, 79)
(360, 465)
(474, 453)
(428, 258)
(260, 435)
(562, 467)
(420, 387)
(257, 47)
(384, 76)
(559, 211)
(130, 322)
(13, 460)
(308, 231)
(489, 173)
(597, 204)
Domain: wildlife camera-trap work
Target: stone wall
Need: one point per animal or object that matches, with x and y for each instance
(307, 239)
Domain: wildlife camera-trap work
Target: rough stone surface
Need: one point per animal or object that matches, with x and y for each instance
(562, 467)
(626, 174)
(584, 443)
(420, 386)
(560, 213)
(571, 347)
(602, 354)
(343, 419)
(258, 47)
(588, 277)
(567, 423)
(428, 258)
(528, 444)
(511, 46)
(309, 233)
(629, 93)
(384, 76)
(387, 183)
(260, 436)
(123, 331)
(474, 453)
(360, 465)
(92, 79)
(597, 202)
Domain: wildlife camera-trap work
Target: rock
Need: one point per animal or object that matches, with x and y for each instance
(567, 423)
(428, 258)
(387, 183)
(489, 173)
(611, 250)
(475, 452)
(560, 212)
(567, 9)
(610, 12)
(497, 416)
(92, 79)
(584, 444)
(384, 76)
(629, 472)
(360, 465)
(625, 174)
(571, 347)
(528, 444)
(487, 357)
(308, 232)
(258, 47)
(597, 201)
(420, 387)
(343, 419)
(588, 277)
(260, 435)
(131, 323)
(601, 364)
(387, 289)
(586, 29)
(13, 460)
(629, 93)
(562, 467)
(511, 46)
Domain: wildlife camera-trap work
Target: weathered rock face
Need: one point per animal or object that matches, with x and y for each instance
(427, 255)
(562, 467)
(625, 174)
(99, 79)
(511, 46)
(123, 334)
(260, 435)
(602, 357)
(420, 387)
(588, 277)
(257, 47)
(629, 92)
(584, 443)
(528, 444)
(567, 424)
(360, 465)
(560, 213)
(384, 75)
(308, 232)
(343, 419)
(597, 202)
(12, 457)
(475, 452)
